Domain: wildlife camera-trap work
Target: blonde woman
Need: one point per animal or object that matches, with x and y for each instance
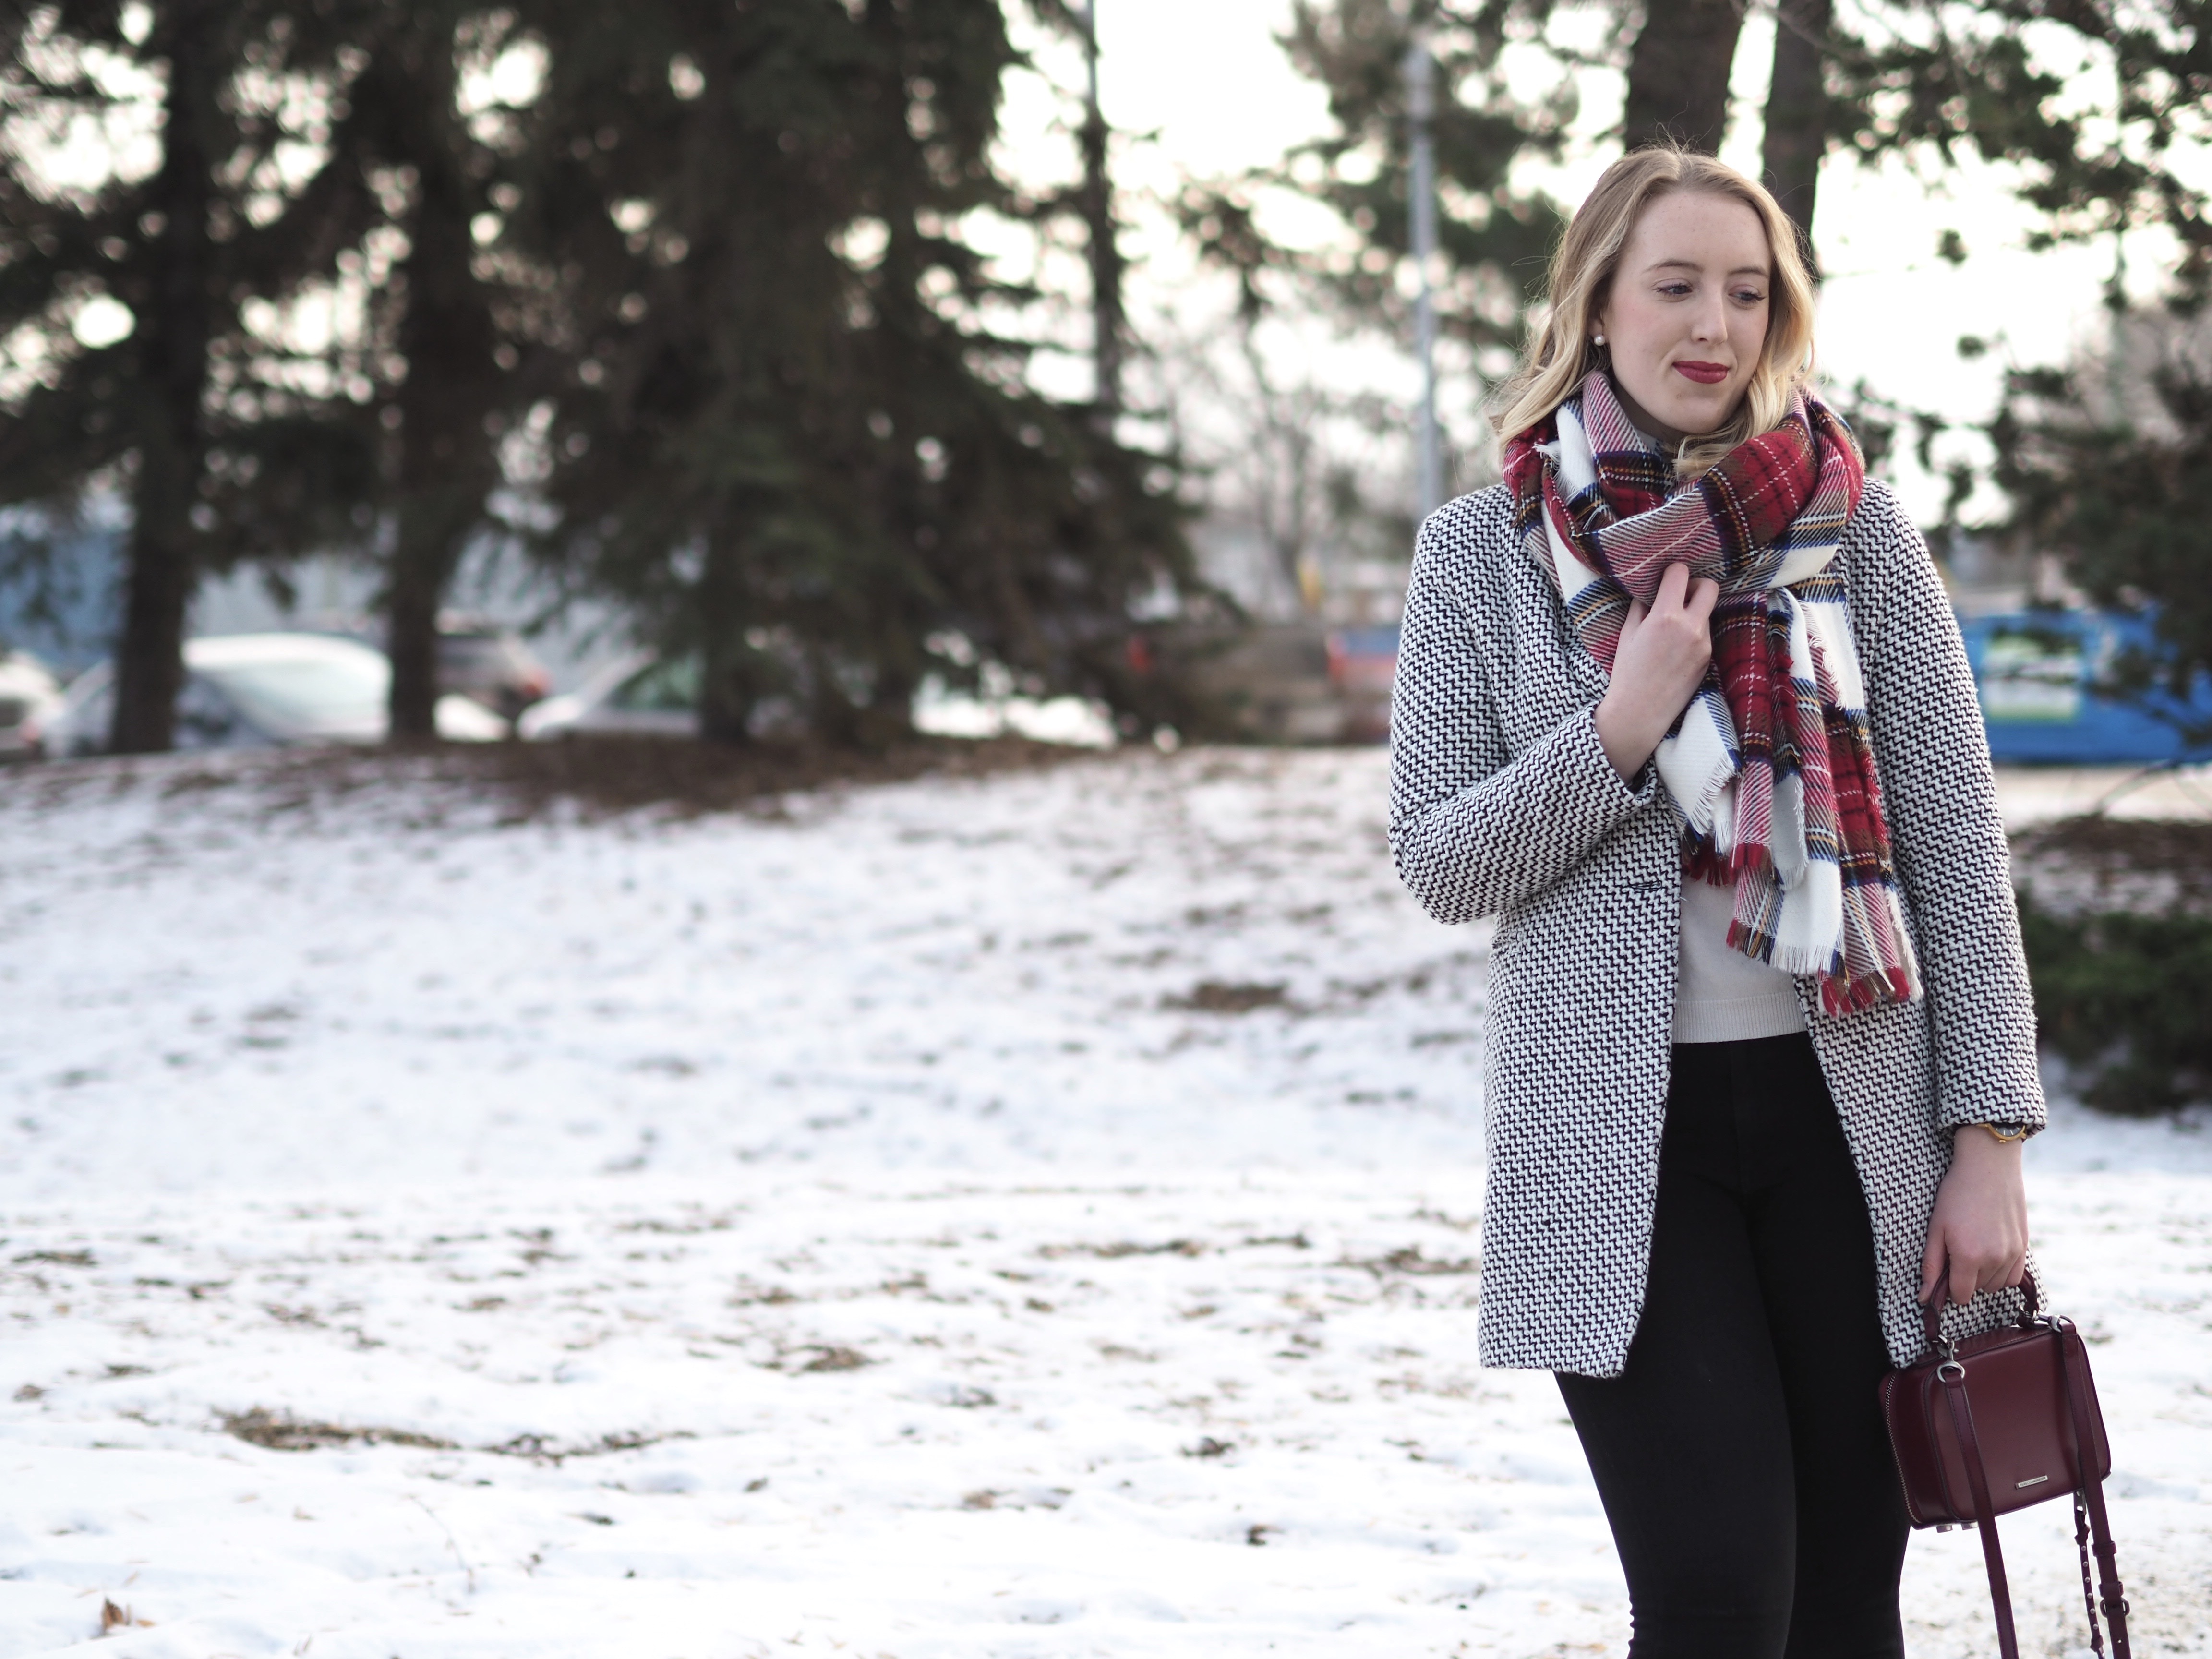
(1682, 704)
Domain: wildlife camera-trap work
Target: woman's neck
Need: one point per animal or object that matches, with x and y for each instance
(1659, 432)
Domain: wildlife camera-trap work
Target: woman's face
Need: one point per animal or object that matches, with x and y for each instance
(1687, 315)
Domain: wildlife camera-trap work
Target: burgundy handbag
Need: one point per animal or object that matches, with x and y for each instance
(1998, 1422)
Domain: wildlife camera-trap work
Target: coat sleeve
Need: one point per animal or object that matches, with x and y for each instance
(1932, 754)
(1475, 828)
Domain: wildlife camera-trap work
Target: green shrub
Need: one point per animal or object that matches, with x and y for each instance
(2126, 1000)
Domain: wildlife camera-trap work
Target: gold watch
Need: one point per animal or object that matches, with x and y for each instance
(2008, 1134)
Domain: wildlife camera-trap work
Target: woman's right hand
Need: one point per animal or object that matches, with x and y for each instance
(1660, 660)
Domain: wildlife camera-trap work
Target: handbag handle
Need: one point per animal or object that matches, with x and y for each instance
(1931, 1315)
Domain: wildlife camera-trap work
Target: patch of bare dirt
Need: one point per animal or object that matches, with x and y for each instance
(835, 1359)
(620, 775)
(2181, 846)
(1121, 1248)
(282, 1431)
(2148, 866)
(1408, 1259)
(599, 776)
(1214, 996)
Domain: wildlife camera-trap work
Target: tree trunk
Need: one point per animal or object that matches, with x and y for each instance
(1678, 73)
(150, 661)
(434, 524)
(729, 677)
(1797, 113)
(447, 462)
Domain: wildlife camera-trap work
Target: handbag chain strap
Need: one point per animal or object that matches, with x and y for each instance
(2089, 1517)
(2113, 1596)
(2089, 1591)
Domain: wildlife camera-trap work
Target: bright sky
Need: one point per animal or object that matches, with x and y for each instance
(1199, 88)
(1205, 77)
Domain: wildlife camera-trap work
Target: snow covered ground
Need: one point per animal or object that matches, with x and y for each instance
(1024, 1217)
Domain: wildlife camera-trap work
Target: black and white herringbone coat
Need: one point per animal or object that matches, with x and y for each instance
(1503, 803)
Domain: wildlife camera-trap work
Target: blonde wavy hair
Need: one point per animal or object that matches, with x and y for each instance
(1560, 353)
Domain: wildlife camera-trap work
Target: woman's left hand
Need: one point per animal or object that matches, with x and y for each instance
(1980, 1223)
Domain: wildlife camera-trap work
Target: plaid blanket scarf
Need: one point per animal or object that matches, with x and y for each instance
(1771, 766)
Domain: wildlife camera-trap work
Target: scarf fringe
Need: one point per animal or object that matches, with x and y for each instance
(1762, 946)
(1703, 860)
(1856, 995)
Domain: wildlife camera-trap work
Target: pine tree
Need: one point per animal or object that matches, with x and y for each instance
(1495, 244)
(222, 452)
(2107, 463)
(1674, 58)
(1966, 80)
(787, 436)
(1937, 83)
(440, 360)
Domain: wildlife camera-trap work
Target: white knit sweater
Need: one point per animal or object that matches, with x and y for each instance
(1722, 995)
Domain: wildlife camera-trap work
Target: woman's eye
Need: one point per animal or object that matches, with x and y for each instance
(1675, 288)
(1749, 296)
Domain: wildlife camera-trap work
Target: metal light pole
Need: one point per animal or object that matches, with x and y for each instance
(1421, 106)
(1098, 216)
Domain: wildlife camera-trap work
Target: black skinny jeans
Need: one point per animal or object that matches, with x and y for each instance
(1740, 1455)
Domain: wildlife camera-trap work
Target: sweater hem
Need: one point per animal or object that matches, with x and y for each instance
(1740, 1019)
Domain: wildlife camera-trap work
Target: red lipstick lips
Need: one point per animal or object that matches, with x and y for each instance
(1704, 374)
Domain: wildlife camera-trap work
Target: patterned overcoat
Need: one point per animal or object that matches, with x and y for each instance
(1503, 803)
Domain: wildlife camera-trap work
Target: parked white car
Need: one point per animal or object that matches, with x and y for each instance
(30, 698)
(641, 694)
(263, 690)
(638, 694)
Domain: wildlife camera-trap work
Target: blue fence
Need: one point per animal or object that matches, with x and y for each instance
(2036, 672)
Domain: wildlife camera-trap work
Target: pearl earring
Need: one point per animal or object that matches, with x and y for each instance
(1597, 339)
